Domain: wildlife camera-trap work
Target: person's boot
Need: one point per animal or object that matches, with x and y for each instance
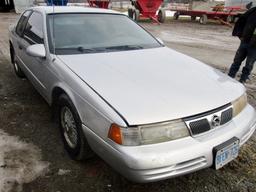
(243, 79)
(231, 75)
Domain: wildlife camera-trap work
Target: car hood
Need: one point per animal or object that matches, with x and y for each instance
(154, 85)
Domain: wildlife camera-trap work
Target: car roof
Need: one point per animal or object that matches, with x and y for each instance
(72, 9)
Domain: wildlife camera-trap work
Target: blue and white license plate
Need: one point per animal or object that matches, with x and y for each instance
(226, 152)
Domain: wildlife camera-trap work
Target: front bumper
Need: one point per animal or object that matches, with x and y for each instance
(155, 162)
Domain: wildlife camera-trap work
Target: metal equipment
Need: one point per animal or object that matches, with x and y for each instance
(224, 15)
(99, 3)
(144, 9)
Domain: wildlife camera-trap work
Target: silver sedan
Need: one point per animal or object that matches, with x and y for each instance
(150, 112)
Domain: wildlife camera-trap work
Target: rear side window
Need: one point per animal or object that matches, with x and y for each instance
(34, 29)
(22, 23)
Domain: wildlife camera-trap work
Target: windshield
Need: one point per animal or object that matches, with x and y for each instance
(91, 33)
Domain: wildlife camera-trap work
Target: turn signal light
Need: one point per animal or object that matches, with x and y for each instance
(115, 134)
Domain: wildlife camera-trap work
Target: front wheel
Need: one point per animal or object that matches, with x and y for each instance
(161, 16)
(203, 19)
(230, 19)
(130, 13)
(176, 15)
(136, 15)
(71, 130)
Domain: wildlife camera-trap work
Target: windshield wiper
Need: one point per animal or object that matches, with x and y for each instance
(125, 47)
(91, 50)
(100, 49)
(83, 50)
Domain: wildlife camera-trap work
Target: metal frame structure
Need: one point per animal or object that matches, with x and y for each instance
(144, 9)
(224, 15)
(99, 3)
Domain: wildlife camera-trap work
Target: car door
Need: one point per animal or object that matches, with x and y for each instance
(37, 67)
(17, 38)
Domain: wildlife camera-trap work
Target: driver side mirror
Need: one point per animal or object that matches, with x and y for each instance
(36, 50)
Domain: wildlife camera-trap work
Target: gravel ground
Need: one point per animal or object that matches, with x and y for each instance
(26, 116)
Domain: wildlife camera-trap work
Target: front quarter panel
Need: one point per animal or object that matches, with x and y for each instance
(11, 31)
(94, 112)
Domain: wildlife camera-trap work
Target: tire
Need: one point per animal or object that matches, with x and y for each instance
(230, 19)
(130, 13)
(193, 18)
(72, 135)
(19, 73)
(176, 15)
(236, 19)
(136, 15)
(203, 19)
(161, 16)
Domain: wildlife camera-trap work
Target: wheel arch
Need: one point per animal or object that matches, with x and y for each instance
(56, 92)
(11, 51)
(105, 114)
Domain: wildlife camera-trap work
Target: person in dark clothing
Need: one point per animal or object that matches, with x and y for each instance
(245, 29)
(57, 2)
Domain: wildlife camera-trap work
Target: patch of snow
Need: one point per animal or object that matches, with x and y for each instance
(20, 163)
(125, 13)
(78, 4)
(199, 38)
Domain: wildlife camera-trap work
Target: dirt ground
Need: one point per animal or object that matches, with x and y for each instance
(26, 116)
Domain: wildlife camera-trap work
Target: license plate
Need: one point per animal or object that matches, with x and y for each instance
(226, 152)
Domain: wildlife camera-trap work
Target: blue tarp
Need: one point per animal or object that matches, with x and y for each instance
(57, 2)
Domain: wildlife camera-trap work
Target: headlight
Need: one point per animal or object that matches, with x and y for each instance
(148, 134)
(239, 104)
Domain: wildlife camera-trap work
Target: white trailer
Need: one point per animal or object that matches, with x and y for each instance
(21, 5)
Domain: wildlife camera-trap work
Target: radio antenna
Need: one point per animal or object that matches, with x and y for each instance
(53, 26)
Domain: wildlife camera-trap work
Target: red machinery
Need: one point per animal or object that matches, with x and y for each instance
(225, 15)
(99, 3)
(144, 9)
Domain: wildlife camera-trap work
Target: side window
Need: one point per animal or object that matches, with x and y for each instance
(34, 29)
(22, 23)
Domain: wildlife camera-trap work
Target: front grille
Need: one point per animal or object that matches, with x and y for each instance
(203, 123)
(199, 126)
(226, 116)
